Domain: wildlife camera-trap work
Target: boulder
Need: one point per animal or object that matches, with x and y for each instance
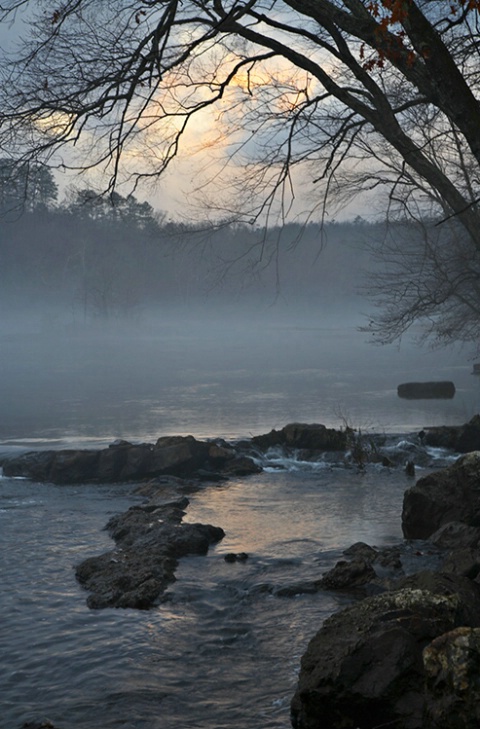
(365, 668)
(449, 495)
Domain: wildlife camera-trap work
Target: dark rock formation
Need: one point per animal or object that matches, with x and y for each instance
(465, 592)
(456, 534)
(409, 657)
(365, 668)
(348, 575)
(426, 390)
(122, 461)
(463, 561)
(149, 541)
(302, 436)
(459, 438)
(452, 669)
(452, 494)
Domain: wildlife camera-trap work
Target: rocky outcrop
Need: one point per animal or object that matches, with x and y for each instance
(149, 541)
(365, 667)
(123, 461)
(449, 495)
(409, 657)
(301, 436)
(459, 438)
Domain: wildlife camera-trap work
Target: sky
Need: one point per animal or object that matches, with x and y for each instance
(181, 191)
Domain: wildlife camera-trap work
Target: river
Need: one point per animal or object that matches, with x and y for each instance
(222, 651)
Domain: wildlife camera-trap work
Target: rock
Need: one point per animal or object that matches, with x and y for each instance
(312, 437)
(452, 669)
(167, 487)
(389, 558)
(469, 436)
(462, 438)
(455, 534)
(348, 575)
(464, 562)
(452, 494)
(177, 455)
(232, 557)
(426, 390)
(361, 550)
(410, 469)
(364, 668)
(126, 579)
(221, 453)
(241, 466)
(149, 541)
(447, 584)
(298, 588)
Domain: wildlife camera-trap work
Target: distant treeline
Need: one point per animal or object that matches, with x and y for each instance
(110, 257)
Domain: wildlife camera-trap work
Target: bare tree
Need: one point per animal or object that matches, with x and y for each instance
(339, 96)
(428, 274)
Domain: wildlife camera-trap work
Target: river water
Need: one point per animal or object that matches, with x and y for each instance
(223, 650)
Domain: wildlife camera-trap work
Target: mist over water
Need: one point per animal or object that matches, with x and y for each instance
(124, 328)
(224, 649)
(214, 370)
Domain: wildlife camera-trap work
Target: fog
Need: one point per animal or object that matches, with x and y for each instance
(123, 332)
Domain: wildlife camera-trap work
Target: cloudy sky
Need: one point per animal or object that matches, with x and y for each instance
(195, 175)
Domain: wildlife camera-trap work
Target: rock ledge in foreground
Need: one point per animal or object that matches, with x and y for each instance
(149, 541)
(365, 667)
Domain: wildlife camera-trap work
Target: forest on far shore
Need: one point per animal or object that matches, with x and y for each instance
(110, 258)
